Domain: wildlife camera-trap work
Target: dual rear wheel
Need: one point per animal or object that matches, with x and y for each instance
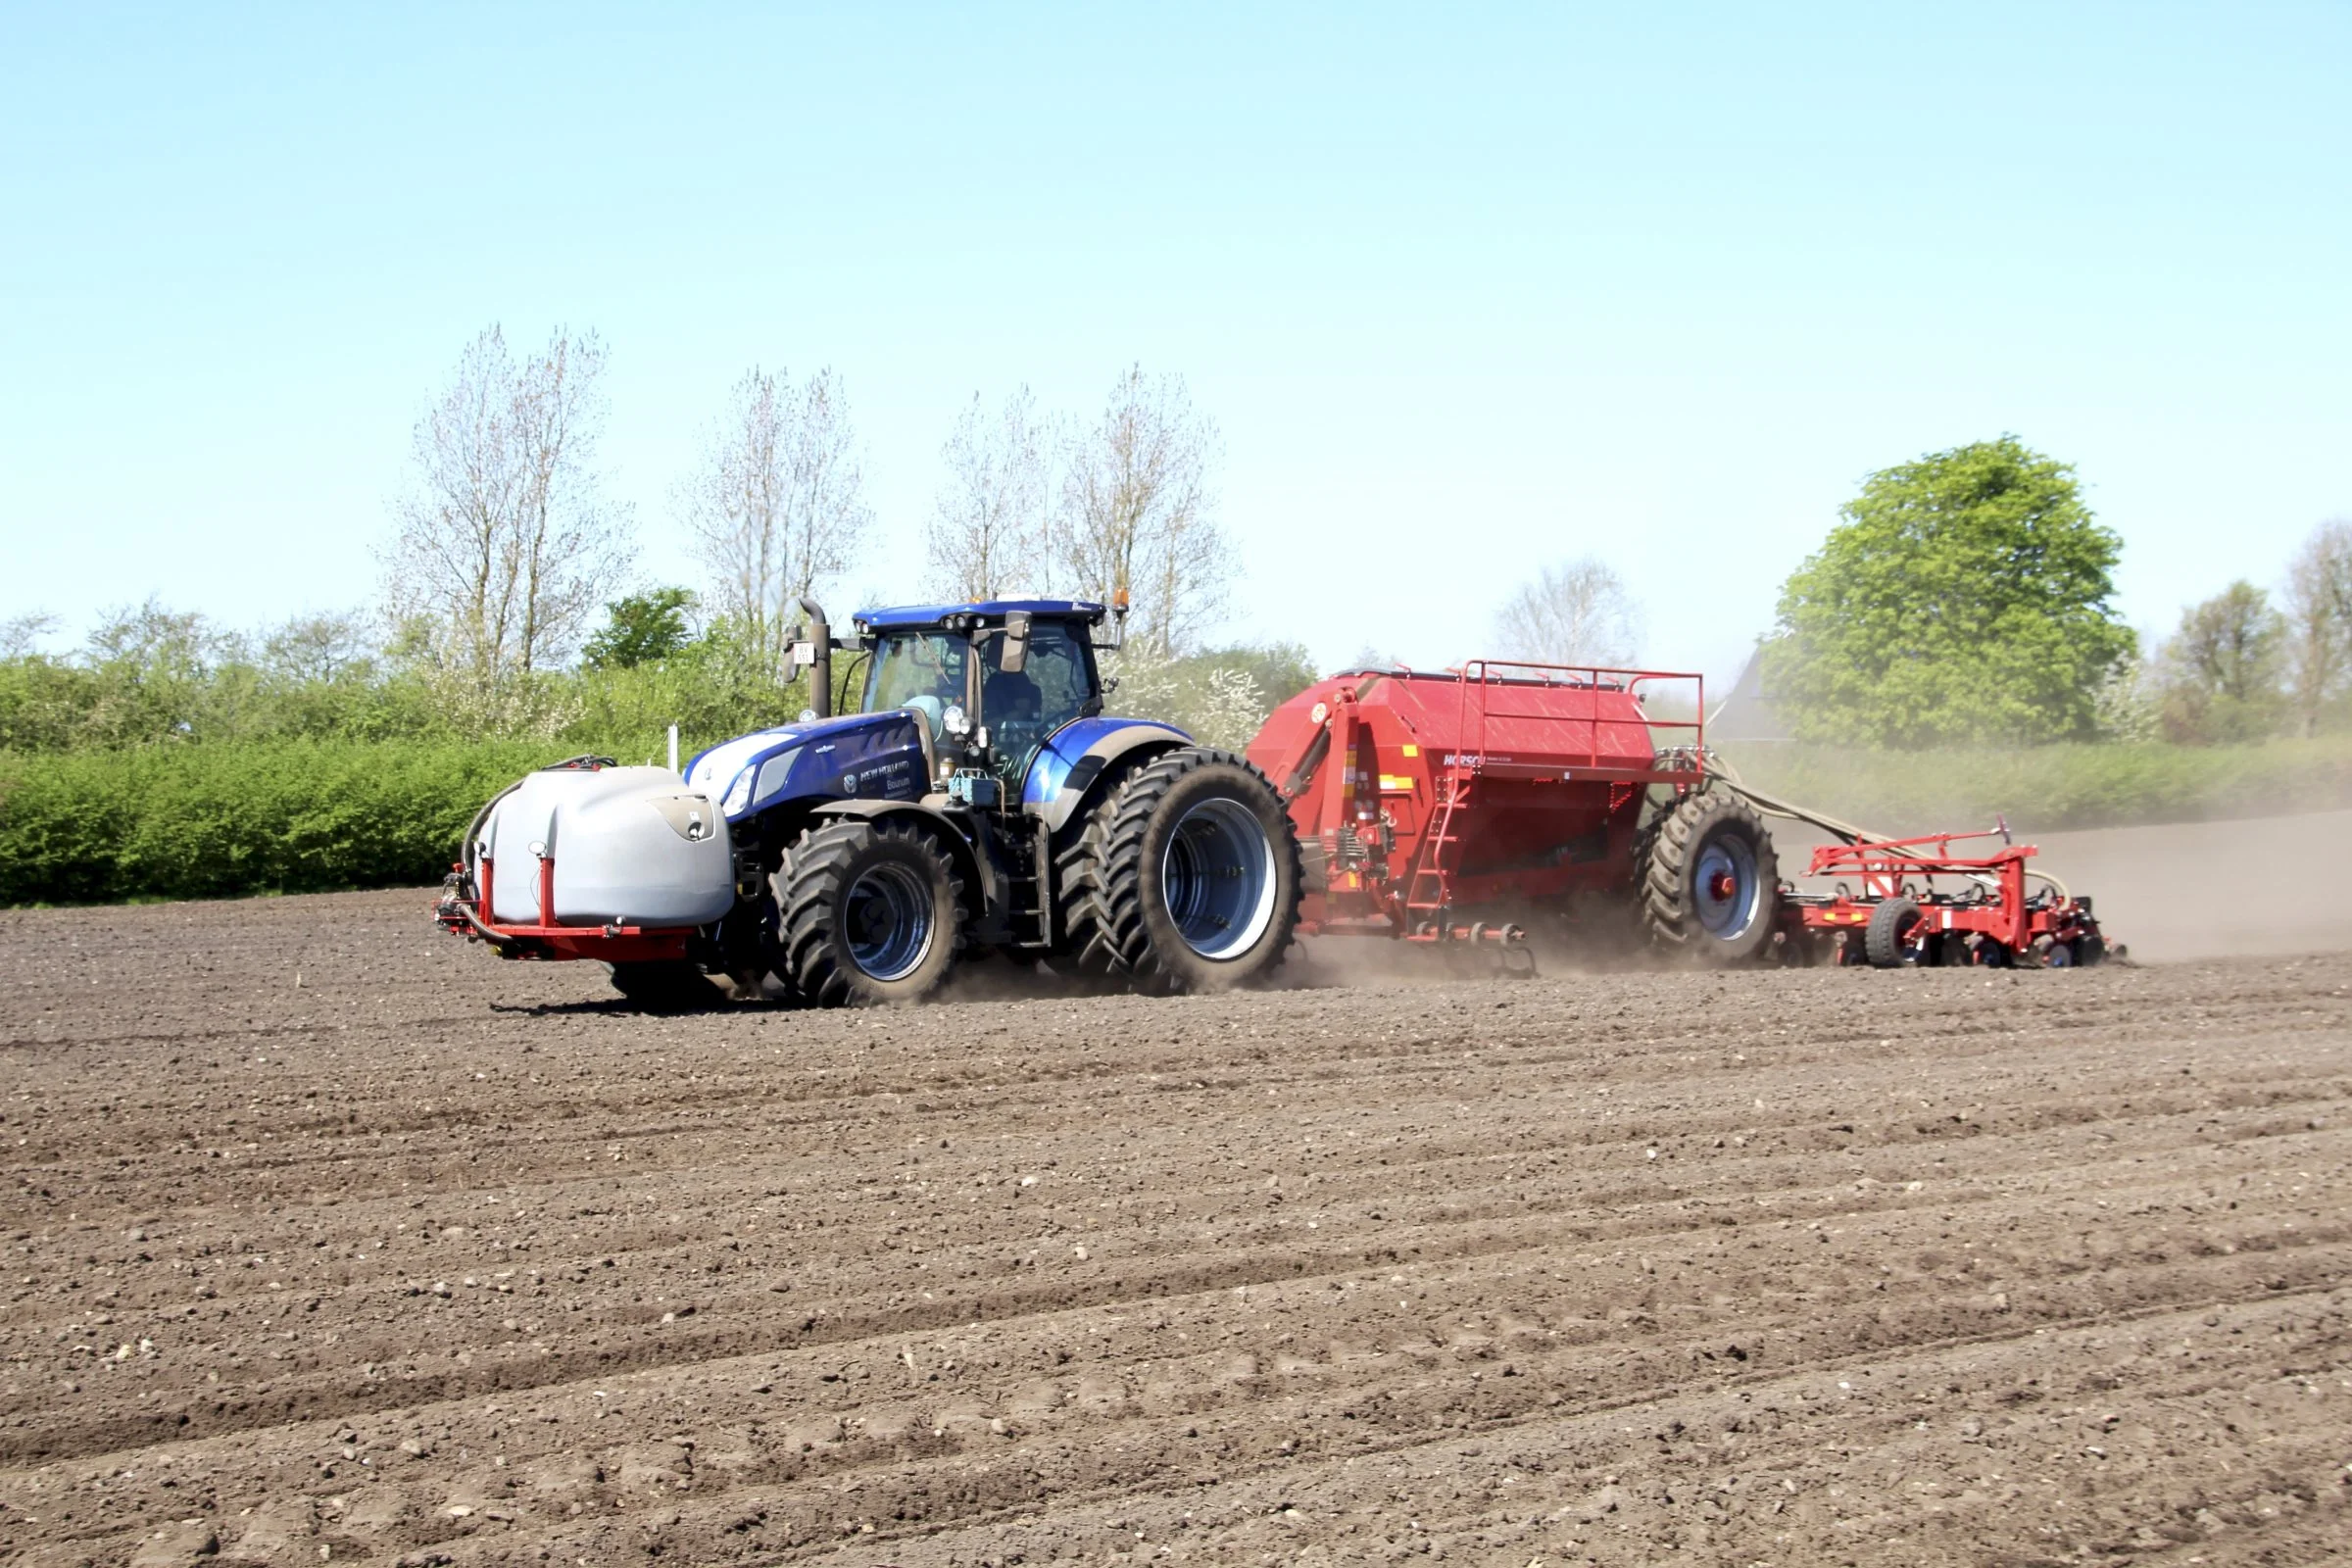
(1187, 877)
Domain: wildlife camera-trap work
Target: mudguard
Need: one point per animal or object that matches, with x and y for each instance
(1074, 757)
(979, 876)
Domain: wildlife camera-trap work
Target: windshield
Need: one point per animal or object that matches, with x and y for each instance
(921, 671)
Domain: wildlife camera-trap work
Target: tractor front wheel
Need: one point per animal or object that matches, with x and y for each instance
(1709, 880)
(869, 913)
(1192, 878)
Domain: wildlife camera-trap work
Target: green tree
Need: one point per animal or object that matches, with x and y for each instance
(2220, 672)
(1964, 597)
(640, 629)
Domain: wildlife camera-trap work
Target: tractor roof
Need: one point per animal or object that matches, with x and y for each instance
(910, 617)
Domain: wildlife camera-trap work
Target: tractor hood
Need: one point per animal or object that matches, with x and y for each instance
(875, 754)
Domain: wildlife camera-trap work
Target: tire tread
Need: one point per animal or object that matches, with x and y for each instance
(1664, 888)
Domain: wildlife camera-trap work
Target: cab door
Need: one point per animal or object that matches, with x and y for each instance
(1022, 709)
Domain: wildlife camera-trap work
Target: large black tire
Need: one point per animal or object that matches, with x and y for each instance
(1187, 878)
(665, 985)
(868, 914)
(1686, 902)
(1887, 939)
(1082, 951)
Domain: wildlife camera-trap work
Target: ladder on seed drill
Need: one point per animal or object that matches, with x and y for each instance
(1429, 893)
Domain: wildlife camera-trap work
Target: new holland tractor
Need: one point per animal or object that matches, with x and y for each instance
(979, 801)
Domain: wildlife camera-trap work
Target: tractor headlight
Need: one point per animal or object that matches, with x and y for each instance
(739, 793)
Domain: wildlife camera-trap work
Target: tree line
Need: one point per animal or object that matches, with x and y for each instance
(1965, 596)
(508, 544)
(509, 606)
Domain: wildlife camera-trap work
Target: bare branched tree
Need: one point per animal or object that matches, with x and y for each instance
(1578, 614)
(778, 503)
(505, 548)
(21, 635)
(1135, 513)
(2319, 619)
(987, 536)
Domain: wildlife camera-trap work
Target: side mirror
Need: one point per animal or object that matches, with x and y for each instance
(1015, 653)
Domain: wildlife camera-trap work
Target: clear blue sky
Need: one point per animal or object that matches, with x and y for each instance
(1466, 289)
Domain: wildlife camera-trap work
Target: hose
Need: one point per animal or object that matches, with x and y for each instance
(473, 835)
(1773, 806)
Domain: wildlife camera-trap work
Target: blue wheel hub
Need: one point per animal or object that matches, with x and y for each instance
(1217, 875)
(886, 920)
(1726, 888)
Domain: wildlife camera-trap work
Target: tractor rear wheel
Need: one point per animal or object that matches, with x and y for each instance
(1191, 878)
(1709, 880)
(1887, 939)
(869, 913)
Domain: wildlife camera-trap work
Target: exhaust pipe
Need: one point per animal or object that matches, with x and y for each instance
(813, 653)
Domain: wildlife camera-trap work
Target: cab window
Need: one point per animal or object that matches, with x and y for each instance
(1022, 708)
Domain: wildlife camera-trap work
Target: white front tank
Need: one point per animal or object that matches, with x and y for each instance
(631, 846)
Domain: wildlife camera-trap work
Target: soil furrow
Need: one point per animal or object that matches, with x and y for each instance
(429, 1258)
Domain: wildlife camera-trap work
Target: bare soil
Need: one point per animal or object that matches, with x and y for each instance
(328, 1238)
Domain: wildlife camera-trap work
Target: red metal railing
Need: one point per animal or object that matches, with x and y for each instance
(1489, 679)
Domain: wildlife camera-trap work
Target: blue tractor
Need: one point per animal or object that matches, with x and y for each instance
(979, 801)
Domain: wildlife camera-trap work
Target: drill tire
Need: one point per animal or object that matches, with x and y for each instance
(1887, 939)
(1708, 834)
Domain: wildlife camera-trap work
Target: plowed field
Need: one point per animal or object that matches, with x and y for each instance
(329, 1238)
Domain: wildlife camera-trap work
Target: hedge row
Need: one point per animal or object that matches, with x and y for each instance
(211, 821)
(2045, 788)
(305, 816)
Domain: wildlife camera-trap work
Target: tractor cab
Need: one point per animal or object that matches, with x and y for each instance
(991, 682)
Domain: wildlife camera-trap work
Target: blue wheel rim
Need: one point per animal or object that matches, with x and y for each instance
(886, 920)
(1725, 887)
(1217, 876)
